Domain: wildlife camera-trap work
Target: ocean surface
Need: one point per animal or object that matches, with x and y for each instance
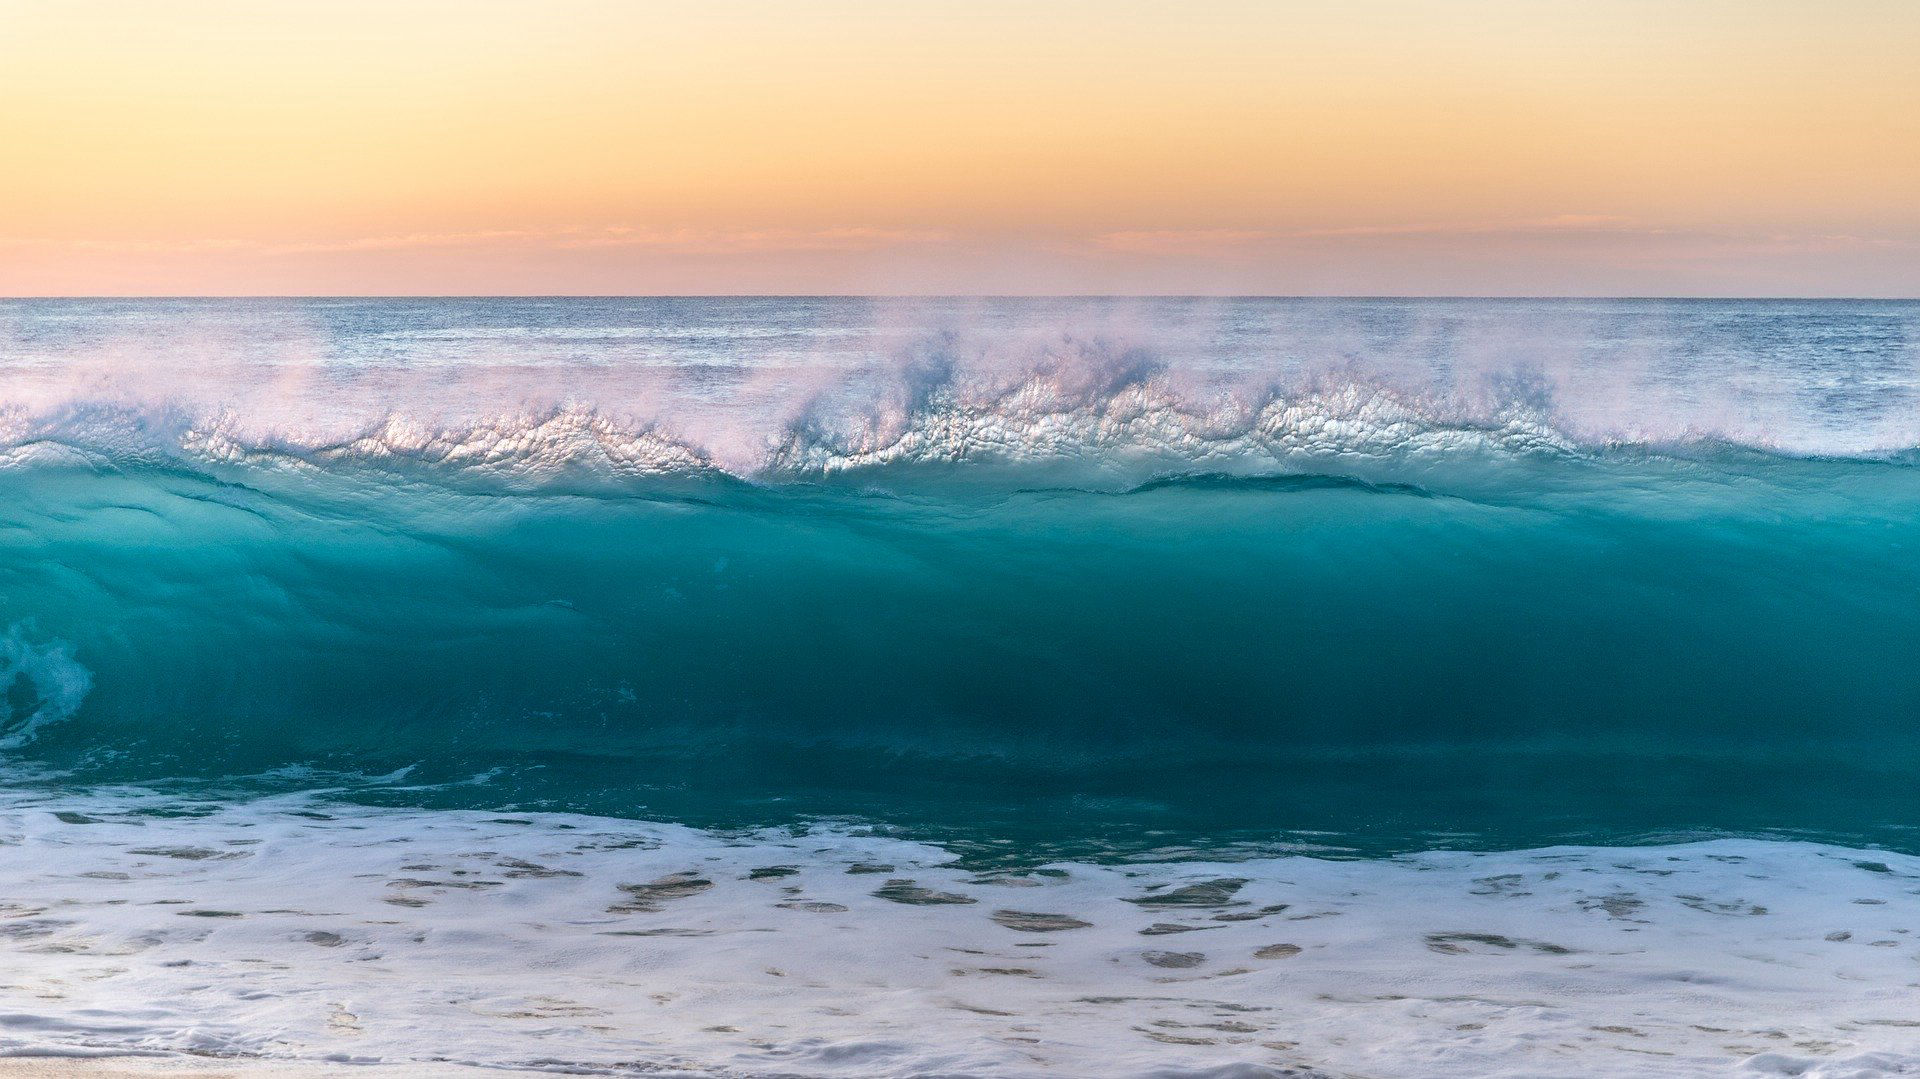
(842, 687)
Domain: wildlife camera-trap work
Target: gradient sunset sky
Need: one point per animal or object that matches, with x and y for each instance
(1479, 147)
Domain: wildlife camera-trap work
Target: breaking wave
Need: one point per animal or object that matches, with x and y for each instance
(1220, 576)
(1078, 424)
(1570, 647)
(760, 649)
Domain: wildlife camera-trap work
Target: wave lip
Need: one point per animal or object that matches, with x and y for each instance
(558, 443)
(1150, 423)
(1127, 435)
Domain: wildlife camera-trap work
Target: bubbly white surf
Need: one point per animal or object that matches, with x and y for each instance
(534, 391)
(297, 928)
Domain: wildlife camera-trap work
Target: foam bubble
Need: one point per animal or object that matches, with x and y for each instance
(298, 928)
(39, 684)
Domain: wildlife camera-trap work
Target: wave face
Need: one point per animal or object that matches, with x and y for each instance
(957, 567)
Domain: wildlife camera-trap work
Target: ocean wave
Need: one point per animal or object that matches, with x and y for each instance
(747, 675)
(1625, 653)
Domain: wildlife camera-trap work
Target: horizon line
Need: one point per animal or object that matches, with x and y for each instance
(962, 296)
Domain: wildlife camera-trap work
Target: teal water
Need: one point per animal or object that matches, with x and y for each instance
(1038, 576)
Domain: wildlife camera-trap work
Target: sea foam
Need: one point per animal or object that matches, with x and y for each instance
(304, 928)
(40, 683)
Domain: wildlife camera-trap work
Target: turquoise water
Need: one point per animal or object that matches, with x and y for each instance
(1081, 576)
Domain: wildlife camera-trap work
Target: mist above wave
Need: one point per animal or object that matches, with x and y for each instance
(1116, 402)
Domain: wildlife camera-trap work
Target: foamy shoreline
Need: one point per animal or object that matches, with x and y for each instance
(145, 1067)
(284, 929)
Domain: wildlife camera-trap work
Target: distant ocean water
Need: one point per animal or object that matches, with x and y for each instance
(987, 687)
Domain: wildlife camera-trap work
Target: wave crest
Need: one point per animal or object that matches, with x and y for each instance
(1140, 430)
(568, 441)
(1101, 410)
(1152, 423)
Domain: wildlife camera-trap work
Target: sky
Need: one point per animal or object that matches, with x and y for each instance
(1371, 147)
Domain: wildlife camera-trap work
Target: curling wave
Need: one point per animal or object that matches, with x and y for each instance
(1595, 651)
(1379, 572)
(1041, 427)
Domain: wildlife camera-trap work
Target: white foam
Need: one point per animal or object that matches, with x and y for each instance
(1157, 423)
(526, 446)
(297, 929)
(1132, 431)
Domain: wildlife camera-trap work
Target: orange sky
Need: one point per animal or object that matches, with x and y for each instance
(486, 146)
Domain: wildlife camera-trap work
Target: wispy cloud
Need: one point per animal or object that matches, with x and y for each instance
(726, 241)
(1172, 241)
(404, 242)
(129, 247)
(671, 240)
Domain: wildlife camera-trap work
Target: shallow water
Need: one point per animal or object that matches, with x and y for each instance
(1560, 655)
(295, 927)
